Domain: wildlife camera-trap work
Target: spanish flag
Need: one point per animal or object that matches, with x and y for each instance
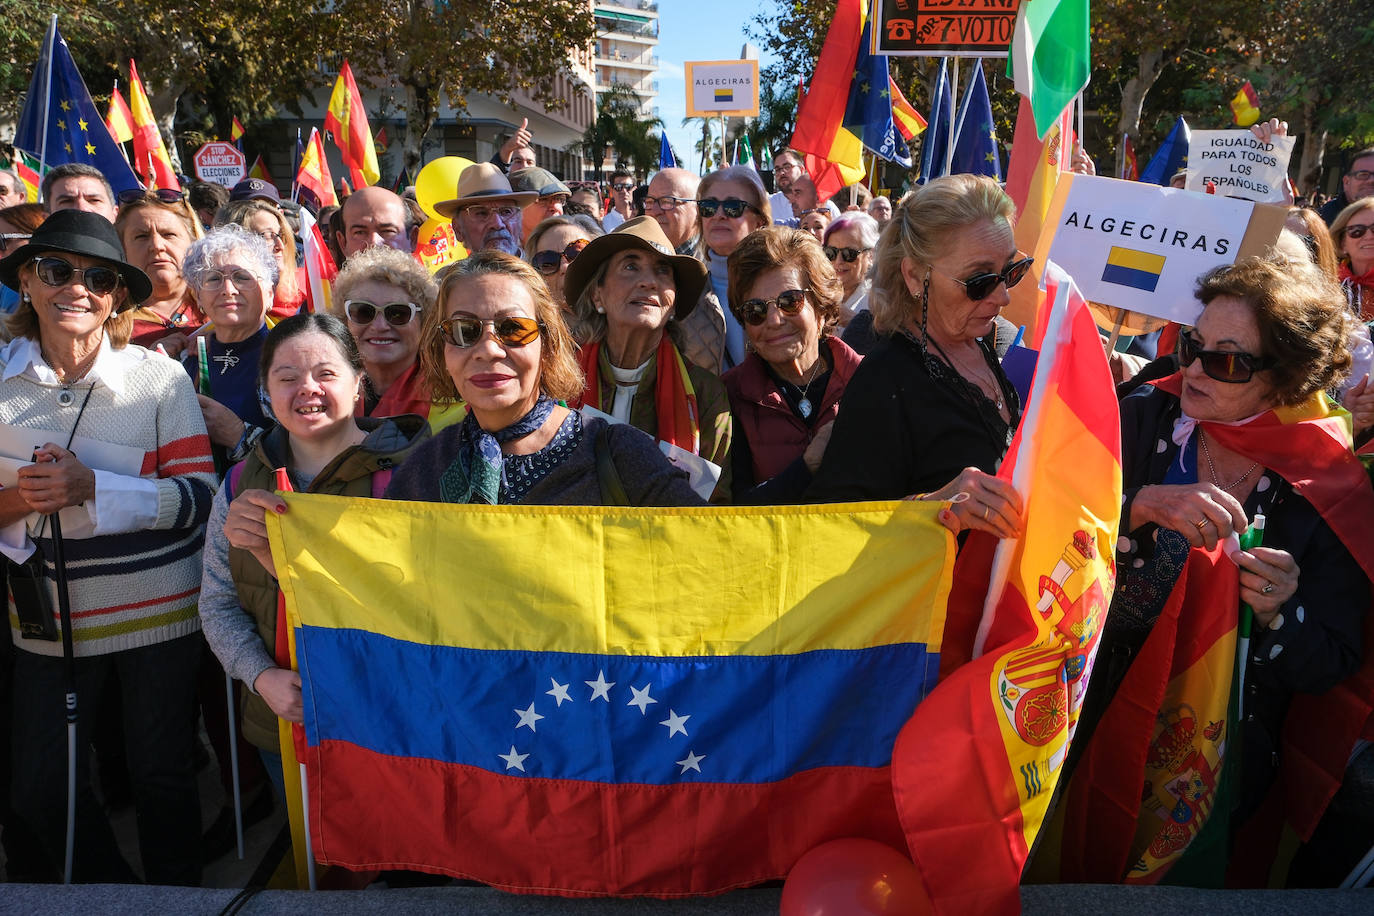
(834, 155)
(662, 702)
(908, 120)
(313, 175)
(150, 154)
(975, 768)
(347, 119)
(27, 168)
(236, 130)
(120, 120)
(1245, 106)
(259, 170)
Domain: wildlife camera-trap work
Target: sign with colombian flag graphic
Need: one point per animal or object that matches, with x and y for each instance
(722, 88)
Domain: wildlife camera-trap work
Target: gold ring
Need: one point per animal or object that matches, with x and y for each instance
(985, 512)
(1202, 524)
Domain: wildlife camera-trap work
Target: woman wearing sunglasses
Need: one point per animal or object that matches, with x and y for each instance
(849, 244)
(1353, 235)
(929, 410)
(731, 203)
(156, 228)
(382, 295)
(17, 225)
(554, 244)
(496, 339)
(233, 274)
(631, 293)
(1245, 428)
(127, 465)
(786, 393)
(266, 219)
(313, 375)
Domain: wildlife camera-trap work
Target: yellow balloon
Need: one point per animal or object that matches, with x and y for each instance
(438, 181)
(437, 246)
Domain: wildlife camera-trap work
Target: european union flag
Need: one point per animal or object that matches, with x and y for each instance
(1170, 157)
(975, 140)
(60, 123)
(935, 143)
(868, 114)
(666, 159)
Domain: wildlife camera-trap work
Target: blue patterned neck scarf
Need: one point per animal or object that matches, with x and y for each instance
(475, 475)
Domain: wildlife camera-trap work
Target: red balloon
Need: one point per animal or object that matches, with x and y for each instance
(854, 877)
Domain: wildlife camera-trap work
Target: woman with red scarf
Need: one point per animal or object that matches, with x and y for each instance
(1353, 235)
(629, 291)
(1245, 428)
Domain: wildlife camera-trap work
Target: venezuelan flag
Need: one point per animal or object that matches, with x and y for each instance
(1136, 269)
(588, 701)
(1022, 634)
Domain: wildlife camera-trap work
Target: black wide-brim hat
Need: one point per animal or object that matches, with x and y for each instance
(78, 232)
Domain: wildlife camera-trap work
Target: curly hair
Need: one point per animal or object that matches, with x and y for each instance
(1303, 321)
(221, 242)
(382, 264)
(779, 247)
(559, 375)
(238, 212)
(920, 229)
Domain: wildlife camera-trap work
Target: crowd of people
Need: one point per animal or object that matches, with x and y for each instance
(693, 340)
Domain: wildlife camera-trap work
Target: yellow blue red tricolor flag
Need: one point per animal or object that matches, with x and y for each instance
(973, 800)
(601, 701)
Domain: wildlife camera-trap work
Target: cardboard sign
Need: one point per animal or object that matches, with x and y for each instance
(1142, 247)
(221, 163)
(1239, 164)
(722, 88)
(937, 28)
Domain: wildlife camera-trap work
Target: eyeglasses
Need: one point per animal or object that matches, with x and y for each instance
(57, 273)
(7, 237)
(1223, 365)
(622, 186)
(980, 286)
(755, 311)
(732, 207)
(850, 255)
(667, 204)
(465, 331)
(397, 314)
(482, 214)
(272, 238)
(546, 262)
(166, 195)
(1357, 231)
(213, 280)
(1362, 175)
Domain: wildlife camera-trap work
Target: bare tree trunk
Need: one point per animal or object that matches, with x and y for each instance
(164, 103)
(1149, 64)
(421, 107)
(1313, 147)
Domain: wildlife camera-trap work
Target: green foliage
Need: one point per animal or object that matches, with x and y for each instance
(621, 126)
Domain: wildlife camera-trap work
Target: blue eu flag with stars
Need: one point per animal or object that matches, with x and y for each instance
(869, 110)
(975, 140)
(59, 108)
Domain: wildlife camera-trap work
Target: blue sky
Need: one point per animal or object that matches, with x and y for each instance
(696, 30)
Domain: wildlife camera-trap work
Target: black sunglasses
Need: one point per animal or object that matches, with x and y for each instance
(755, 311)
(1356, 231)
(397, 314)
(979, 286)
(465, 331)
(546, 262)
(58, 273)
(166, 195)
(733, 207)
(1223, 365)
(850, 255)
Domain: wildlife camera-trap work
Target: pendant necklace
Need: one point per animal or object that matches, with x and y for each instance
(804, 406)
(65, 397)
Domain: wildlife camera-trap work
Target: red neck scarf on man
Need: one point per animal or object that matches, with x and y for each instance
(675, 400)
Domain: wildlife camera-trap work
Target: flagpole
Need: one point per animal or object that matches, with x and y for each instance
(953, 106)
(51, 42)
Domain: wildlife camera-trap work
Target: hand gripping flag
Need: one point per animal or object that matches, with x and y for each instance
(975, 768)
(347, 119)
(150, 154)
(60, 123)
(602, 701)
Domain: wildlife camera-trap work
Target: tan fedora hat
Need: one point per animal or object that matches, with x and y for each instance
(645, 234)
(483, 183)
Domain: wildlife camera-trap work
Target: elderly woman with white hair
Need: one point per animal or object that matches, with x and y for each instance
(234, 276)
(848, 243)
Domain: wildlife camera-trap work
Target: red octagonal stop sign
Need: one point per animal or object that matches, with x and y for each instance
(221, 163)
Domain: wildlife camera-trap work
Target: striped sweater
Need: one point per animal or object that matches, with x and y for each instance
(133, 553)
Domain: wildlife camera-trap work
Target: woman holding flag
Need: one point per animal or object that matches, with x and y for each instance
(1245, 429)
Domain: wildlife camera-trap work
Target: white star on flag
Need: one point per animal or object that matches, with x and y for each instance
(559, 692)
(675, 723)
(517, 760)
(641, 698)
(528, 717)
(600, 687)
(690, 762)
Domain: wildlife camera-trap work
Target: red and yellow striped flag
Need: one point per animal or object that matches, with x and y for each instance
(259, 170)
(150, 154)
(907, 119)
(313, 174)
(1032, 175)
(347, 119)
(236, 130)
(834, 156)
(1245, 106)
(119, 120)
(974, 769)
(26, 167)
